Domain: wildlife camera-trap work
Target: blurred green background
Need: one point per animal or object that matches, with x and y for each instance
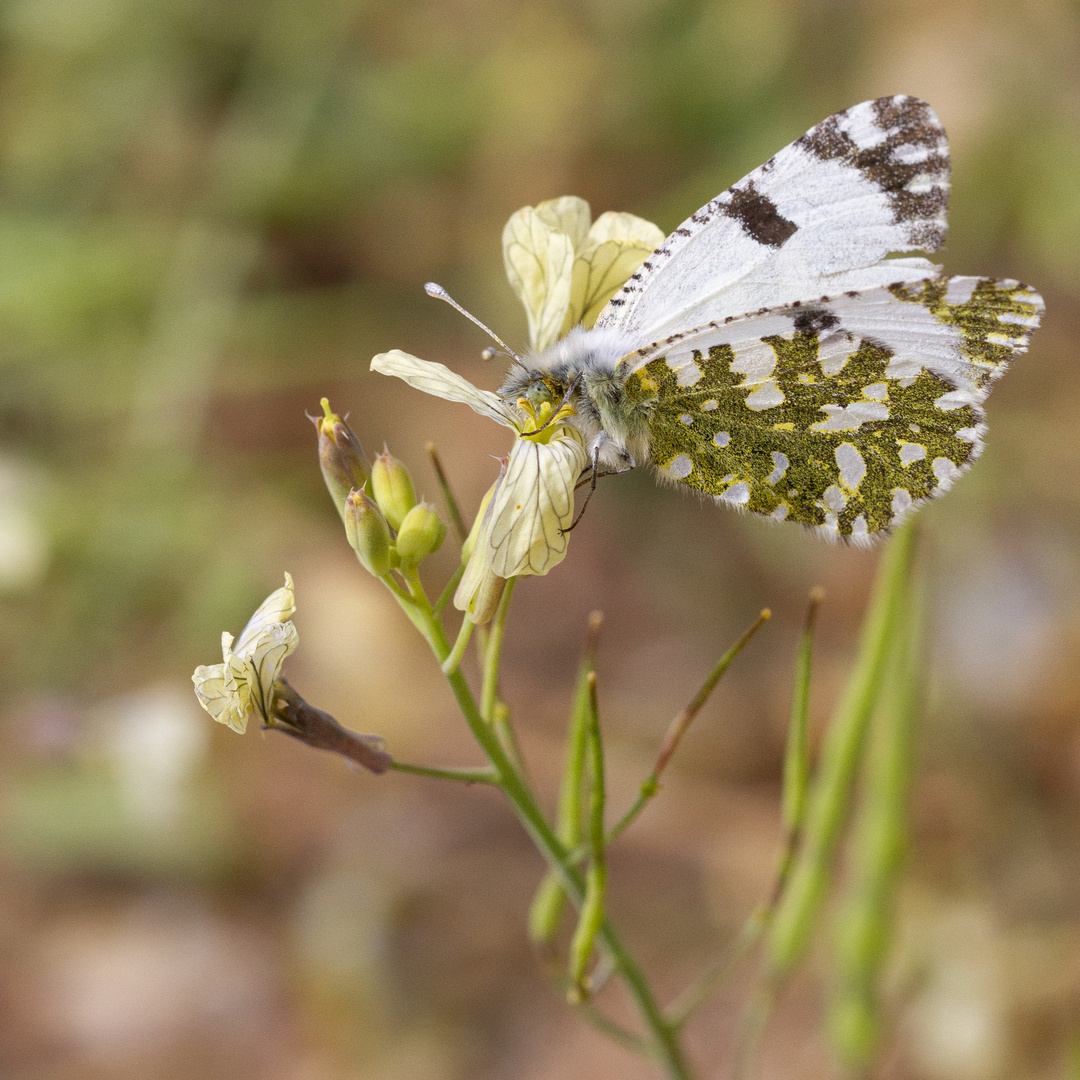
(212, 213)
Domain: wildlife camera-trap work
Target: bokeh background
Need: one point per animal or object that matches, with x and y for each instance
(212, 214)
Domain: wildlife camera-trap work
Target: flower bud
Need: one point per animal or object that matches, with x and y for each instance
(341, 457)
(420, 534)
(393, 488)
(368, 533)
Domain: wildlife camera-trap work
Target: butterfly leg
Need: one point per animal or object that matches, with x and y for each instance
(626, 463)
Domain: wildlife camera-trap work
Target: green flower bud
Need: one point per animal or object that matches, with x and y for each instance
(341, 457)
(393, 488)
(368, 533)
(420, 534)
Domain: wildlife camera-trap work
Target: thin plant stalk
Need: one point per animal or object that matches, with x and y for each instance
(493, 653)
(547, 905)
(460, 528)
(451, 587)
(458, 651)
(679, 726)
(797, 751)
(796, 782)
(691, 999)
(465, 776)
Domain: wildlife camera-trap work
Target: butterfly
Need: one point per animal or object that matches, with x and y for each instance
(786, 350)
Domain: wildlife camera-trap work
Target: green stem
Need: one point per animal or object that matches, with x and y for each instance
(458, 651)
(465, 776)
(616, 1032)
(452, 509)
(679, 726)
(665, 1040)
(504, 726)
(797, 754)
(694, 996)
(451, 587)
(493, 654)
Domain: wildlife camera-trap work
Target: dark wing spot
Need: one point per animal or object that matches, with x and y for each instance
(901, 111)
(759, 217)
(827, 141)
(681, 232)
(815, 320)
(907, 122)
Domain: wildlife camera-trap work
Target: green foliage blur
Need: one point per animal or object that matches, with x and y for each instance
(212, 214)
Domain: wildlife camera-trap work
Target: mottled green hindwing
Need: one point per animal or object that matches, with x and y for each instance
(843, 432)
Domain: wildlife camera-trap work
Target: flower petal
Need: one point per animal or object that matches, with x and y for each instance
(533, 504)
(618, 245)
(627, 229)
(268, 653)
(439, 380)
(276, 608)
(568, 214)
(216, 689)
(539, 261)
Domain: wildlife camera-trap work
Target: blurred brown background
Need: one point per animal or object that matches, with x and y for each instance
(213, 212)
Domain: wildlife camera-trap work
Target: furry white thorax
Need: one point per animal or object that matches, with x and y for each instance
(612, 429)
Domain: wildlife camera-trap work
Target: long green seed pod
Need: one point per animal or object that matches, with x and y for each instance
(592, 910)
(830, 794)
(550, 900)
(879, 840)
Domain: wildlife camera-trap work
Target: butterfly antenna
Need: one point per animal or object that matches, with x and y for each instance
(441, 294)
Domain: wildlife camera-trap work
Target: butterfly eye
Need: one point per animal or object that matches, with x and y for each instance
(541, 391)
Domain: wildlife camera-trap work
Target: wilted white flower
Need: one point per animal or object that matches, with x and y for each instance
(245, 681)
(565, 269)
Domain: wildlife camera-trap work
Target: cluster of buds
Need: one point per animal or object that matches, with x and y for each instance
(388, 528)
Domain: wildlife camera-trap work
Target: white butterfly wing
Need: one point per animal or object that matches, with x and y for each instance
(818, 218)
(842, 414)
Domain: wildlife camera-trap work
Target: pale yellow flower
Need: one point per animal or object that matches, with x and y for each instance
(245, 681)
(532, 504)
(565, 269)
